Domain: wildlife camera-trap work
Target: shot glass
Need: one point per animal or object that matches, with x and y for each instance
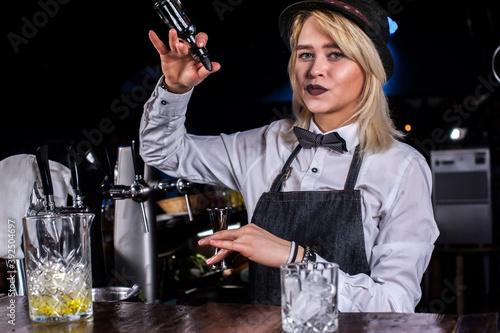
(58, 266)
(219, 220)
(309, 297)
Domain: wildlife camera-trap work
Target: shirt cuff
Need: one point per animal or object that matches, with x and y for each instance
(167, 102)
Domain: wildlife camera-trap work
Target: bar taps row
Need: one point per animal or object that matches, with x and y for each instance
(139, 191)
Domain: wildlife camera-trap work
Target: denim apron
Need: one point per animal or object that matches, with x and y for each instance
(329, 221)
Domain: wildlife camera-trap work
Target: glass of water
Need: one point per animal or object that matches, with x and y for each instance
(309, 297)
(58, 266)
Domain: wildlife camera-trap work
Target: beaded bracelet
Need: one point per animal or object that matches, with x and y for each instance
(309, 255)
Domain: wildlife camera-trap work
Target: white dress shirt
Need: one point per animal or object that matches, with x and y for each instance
(398, 221)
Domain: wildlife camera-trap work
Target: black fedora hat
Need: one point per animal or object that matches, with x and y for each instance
(367, 14)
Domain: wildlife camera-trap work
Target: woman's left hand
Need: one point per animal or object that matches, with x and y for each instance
(251, 241)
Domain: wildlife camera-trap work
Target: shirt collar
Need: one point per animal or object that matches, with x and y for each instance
(349, 133)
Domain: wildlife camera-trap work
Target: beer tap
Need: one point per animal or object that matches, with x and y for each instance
(75, 182)
(140, 191)
(42, 157)
(133, 185)
(181, 185)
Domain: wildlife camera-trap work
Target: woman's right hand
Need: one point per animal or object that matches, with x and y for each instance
(182, 72)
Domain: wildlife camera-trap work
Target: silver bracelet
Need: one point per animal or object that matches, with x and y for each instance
(309, 255)
(292, 250)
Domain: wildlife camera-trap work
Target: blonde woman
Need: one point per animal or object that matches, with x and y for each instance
(336, 185)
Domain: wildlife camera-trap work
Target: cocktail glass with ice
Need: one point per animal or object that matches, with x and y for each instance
(58, 266)
(309, 297)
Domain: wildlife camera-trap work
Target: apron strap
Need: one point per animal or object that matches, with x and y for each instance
(350, 182)
(278, 181)
(352, 176)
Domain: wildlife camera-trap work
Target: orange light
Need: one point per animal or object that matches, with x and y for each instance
(407, 127)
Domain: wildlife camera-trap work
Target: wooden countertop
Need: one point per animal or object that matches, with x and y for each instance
(220, 317)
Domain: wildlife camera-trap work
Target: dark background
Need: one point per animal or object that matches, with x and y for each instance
(84, 61)
(78, 73)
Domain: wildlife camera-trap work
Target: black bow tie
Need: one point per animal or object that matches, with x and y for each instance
(332, 141)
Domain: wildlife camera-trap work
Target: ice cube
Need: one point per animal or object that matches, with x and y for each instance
(292, 287)
(316, 284)
(316, 278)
(306, 306)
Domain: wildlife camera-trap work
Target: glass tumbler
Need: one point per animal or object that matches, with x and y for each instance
(309, 297)
(58, 266)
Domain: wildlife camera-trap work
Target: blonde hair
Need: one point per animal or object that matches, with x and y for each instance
(376, 129)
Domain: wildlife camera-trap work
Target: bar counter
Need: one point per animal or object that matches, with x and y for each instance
(220, 317)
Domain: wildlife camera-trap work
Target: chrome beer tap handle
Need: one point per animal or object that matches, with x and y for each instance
(183, 187)
(140, 189)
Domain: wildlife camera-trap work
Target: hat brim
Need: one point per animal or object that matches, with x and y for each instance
(288, 15)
